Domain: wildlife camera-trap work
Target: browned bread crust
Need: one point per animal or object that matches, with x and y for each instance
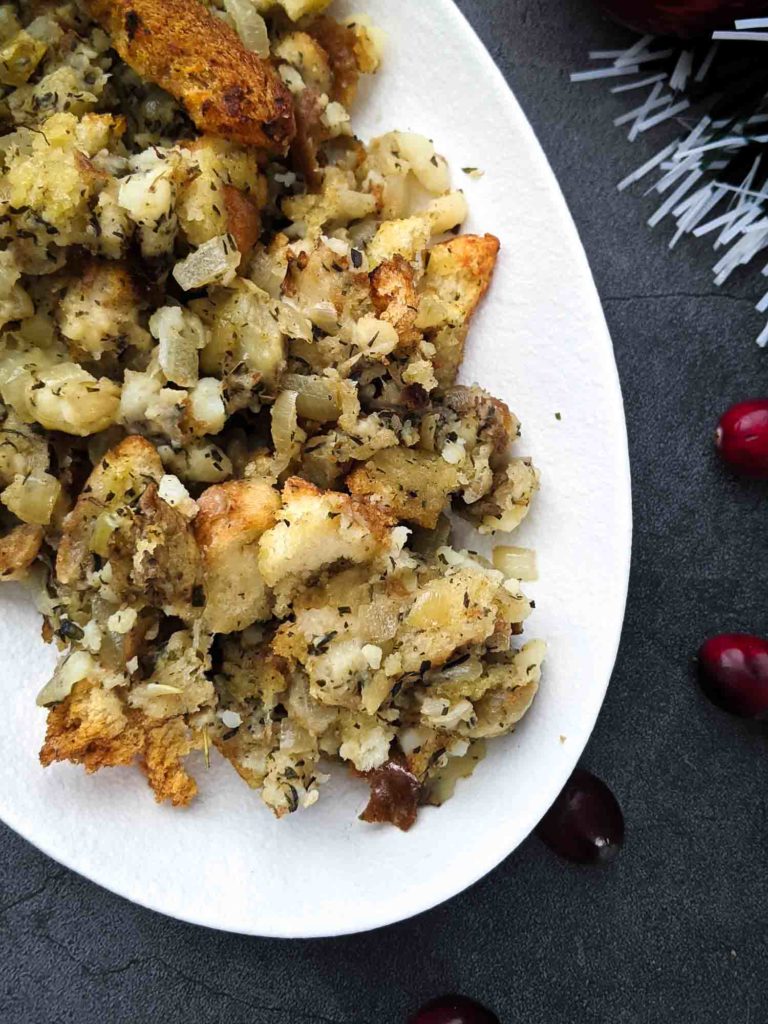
(226, 89)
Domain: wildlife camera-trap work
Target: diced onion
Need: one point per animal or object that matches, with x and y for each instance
(287, 436)
(33, 498)
(249, 25)
(316, 397)
(460, 766)
(516, 563)
(103, 528)
(466, 671)
(214, 262)
(180, 334)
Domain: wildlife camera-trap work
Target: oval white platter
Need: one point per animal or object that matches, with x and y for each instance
(539, 342)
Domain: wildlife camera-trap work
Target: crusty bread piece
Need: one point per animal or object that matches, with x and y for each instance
(231, 520)
(100, 310)
(316, 530)
(226, 89)
(458, 275)
(410, 484)
(395, 300)
(18, 550)
(132, 463)
(92, 727)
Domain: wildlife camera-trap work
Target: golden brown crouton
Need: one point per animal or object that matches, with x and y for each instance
(458, 276)
(164, 747)
(18, 550)
(306, 55)
(120, 516)
(91, 727)
(409, 484)
(319, 529)
(395, 300)
(227, 90)
(232, 518)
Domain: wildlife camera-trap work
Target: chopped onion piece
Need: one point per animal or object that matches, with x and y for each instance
(317, 398)
(442, 783)
(180, 335)
(249, 25)
(516, 563)
(214, 262)
(33, 498)
(287, 436)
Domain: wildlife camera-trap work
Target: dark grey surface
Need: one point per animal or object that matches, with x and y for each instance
(675, 930)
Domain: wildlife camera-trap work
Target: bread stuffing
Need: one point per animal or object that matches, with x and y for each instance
(233, 439)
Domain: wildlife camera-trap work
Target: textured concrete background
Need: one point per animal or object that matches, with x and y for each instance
(675, 930)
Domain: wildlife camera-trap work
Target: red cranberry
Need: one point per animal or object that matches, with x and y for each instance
(453, 1010)
(742, 437)
(682, 17)
(585, 823)
(733, 672)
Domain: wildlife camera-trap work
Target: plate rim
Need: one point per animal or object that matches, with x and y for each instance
(448, 8)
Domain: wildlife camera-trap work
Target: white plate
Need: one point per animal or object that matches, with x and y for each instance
(541, 343)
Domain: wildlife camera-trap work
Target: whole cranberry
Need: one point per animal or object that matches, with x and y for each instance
(453, 1009)
(733, 673)
(683, 18)
(585, 823)
(742, 437)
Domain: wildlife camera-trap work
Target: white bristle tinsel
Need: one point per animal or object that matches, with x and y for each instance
(686, 173)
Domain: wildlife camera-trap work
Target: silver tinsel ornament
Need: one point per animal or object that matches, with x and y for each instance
(712, 179)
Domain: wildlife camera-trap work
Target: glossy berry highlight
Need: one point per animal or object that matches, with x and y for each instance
(733, 673)
(585, 824)
(741, 438)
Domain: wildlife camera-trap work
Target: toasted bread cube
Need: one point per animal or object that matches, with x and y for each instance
(232, 518)
(409, 484)
(457, 277)
(182, 47)
(318, 529)
(18, 550)
(127, 467)
(100, 311)
(395, 300)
